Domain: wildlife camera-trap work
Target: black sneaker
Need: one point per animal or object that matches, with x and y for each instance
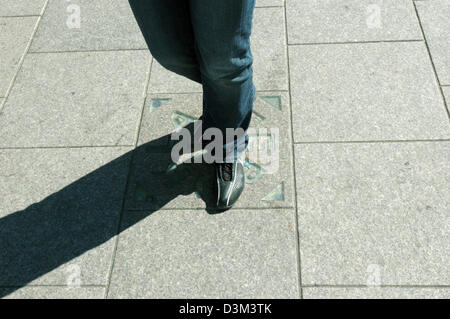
(230, 183)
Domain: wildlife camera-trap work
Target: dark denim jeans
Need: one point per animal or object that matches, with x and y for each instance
(207, 41)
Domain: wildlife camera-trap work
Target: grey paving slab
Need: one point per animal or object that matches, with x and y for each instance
(59, 214)
(311, 21)
(269, 52)
(269, 3)
(191, 254)
(153, 184)
(376, 293)
(435, 19)
(269, 49)
(21, 7)
(103, 25)
(56, 293)
(15, 34)
(75, 99)
(165, 81)
(374, 213)
(365, 91)
(446, 91)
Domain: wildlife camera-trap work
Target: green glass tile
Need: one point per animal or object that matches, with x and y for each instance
(157, 103)
(277, 194)
(180, 120)
(274, 101)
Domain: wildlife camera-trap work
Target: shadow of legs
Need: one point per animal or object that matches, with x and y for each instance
(86, 213)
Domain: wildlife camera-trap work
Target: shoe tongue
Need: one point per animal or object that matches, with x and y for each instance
(227, 171)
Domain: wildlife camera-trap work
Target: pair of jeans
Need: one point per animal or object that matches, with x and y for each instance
(207, 41)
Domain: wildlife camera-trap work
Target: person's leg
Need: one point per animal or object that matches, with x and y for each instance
(167, 28)
(222, 31)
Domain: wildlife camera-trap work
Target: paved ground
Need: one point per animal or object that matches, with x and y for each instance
(360, 206)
